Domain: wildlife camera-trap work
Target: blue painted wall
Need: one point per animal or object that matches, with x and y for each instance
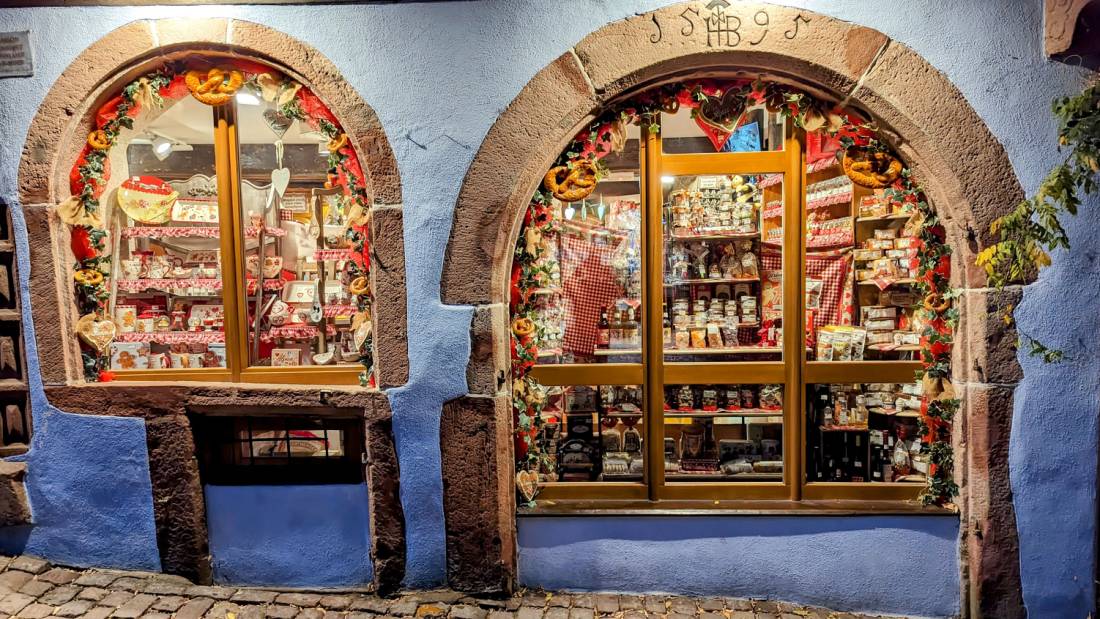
(403, 60)
(904, 565)
(293, 536)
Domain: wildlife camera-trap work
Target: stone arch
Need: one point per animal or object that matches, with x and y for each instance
(55, 137)
(964, 169)
(57, 134)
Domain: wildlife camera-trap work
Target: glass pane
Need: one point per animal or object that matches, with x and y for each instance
(589, 308)
(864, 433)
(592, 433)
(167, 275)
(723, 284)
(299, 273)
(860, 297)
(689, 131)
(266, 441)
(723, 433)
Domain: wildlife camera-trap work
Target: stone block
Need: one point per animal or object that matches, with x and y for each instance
(14, 509)
(387, 248)
(992, 545)
(179, 31)
(635, 50)
(479, 497)
(489, 363)
(387, 518)
(989, 338)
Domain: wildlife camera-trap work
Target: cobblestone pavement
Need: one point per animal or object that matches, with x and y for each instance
(32, 588)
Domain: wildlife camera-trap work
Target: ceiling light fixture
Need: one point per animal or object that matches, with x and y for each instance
(162, 147)
(247, 98)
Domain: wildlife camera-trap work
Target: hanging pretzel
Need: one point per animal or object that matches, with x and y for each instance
(98, 140)
(872, 170)
(936, 303)
(359, 285)
(88, 277)
(570, 185)
(215, 87)
(337, 142)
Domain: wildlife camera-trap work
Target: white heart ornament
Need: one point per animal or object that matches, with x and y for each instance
(96, 333)
(280, 179)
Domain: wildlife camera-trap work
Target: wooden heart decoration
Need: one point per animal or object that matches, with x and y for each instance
(280, 179)
(277, 122)
(719, 117)
(96, 333)
(527, 482)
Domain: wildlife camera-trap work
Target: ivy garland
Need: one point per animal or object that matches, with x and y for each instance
(725, 102)
(91, 173)
(1030, 231)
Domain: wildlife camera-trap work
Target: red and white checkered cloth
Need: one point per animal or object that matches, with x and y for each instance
(834, 270)
(589, 284)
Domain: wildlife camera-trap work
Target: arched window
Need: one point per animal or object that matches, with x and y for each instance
(731, 289)
(219, 220)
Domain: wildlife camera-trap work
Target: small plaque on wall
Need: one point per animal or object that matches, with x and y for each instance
(15, 54)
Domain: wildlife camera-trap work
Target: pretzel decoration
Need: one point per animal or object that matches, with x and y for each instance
(570, 185)
(523, 327)
(88, 277)
(214, 87)
(337, 143)
(936, 303)
(874, 170)
(359, 285)
(98, 140)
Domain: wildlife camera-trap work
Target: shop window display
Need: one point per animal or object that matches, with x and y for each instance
(219, 220)
(688, 291)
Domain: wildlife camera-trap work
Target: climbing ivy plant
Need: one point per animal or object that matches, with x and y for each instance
(1026, 235)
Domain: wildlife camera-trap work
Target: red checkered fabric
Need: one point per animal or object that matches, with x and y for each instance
(833, 269)
(588, 285)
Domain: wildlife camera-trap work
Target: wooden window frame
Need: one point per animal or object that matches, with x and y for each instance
(228, 172)
(793, 370)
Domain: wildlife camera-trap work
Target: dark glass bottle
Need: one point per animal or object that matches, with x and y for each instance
(603, 330)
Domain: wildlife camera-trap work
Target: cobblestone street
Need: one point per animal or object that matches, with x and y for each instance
(33, 588)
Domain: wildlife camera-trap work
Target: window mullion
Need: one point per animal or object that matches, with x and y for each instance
(227, 168)
(652, 300)
(794, 264)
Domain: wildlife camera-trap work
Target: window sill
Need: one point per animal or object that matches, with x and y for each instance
(733, 508)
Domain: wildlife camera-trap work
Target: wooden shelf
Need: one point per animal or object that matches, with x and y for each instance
(844, 428)
(748, 412)
(7, 247)
(719, 476)
(724, 236)
(672, 352)
(895, 217)
(8, 315)
(712, 280)
(897, 282)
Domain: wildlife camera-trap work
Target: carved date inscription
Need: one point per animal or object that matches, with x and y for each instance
(726, 27)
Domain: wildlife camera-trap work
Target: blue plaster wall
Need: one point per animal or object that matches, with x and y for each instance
(405, 59)
(293, 536)
(837, 562)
